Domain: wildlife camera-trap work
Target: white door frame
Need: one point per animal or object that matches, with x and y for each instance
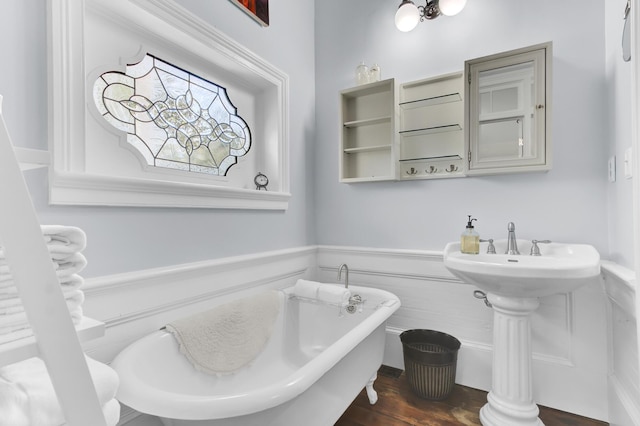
(635, 142)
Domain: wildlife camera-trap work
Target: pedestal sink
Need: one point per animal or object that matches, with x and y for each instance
(513, 284)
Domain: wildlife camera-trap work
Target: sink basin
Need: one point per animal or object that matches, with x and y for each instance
(560, 269)
(513, 283)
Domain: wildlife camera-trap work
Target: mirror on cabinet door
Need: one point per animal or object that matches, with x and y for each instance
(507, 113)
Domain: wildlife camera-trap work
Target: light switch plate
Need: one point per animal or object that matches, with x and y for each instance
(612, 169)
(628, 163)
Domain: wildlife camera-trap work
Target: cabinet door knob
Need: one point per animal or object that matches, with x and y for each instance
(539, 106)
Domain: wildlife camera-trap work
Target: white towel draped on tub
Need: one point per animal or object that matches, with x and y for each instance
(27, 396)
(307, 289)
(229, 336)
(332, 294)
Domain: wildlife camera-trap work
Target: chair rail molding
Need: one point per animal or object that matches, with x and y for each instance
(136, 303)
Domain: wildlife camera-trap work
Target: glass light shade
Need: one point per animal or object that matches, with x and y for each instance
(407, 16)
(451, 7)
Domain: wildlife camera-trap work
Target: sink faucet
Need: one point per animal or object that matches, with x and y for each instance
(346, 276)
(512, 245)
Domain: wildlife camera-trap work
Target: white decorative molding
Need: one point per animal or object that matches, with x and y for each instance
(32, 158)
(624, 387)
(136, 303)
(81, 145)
(70, 188)
(623, 404)
(202, 297)
(620, 285)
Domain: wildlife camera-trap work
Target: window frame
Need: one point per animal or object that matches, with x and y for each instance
(71, 180)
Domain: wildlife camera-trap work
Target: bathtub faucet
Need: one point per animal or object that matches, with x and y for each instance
(346, 275)
(355, 300)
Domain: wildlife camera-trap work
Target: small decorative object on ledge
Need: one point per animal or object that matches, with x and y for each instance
(365, 75)
(257, 9)
(261, 181)
(362, 74)
(374, 73)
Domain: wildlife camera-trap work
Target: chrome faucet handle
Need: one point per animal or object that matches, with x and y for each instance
(535, 250)
(491, 249)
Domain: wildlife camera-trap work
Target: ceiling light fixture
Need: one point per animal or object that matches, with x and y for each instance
(408, 14)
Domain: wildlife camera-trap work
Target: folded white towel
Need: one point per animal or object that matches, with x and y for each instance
(229, 336)
(61, 241)
(111, 412)
(16, 334)
(13, 401)
(64, 240)
(18, 322)
(334, 294)
(26, 393)
(68, 284)
(8, 307)
(12, 317)
(70, 265)
(305, 288)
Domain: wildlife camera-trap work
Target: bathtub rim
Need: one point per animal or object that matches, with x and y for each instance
(147, 399)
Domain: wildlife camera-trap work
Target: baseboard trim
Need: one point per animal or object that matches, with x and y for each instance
(630, 405)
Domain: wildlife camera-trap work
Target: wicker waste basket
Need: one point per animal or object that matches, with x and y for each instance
(430, 359)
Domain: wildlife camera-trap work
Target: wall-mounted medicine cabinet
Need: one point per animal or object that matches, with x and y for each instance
(495, 117)
(367, 145)
(508, 111)
(431, 141)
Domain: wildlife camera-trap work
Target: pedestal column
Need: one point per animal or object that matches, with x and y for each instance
(510, 401)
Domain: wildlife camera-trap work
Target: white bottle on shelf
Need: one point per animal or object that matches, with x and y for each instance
(374, 73)
(362, 74)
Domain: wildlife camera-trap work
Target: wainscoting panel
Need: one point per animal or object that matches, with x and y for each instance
(568, 330)
(135, 304)
(138, 303)
(624, 393)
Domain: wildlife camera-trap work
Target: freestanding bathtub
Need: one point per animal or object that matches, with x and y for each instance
(317, 361)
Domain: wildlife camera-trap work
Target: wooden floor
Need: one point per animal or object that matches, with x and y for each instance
(398, 406)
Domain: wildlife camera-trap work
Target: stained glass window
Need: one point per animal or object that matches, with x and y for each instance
(175, 119)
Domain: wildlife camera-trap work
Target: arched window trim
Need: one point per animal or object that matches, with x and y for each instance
(71, 179)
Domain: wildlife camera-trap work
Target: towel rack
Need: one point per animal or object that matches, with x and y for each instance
(55, 337)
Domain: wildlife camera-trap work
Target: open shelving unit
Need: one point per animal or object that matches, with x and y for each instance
(55, 338)
(431, 139)
(367, 143)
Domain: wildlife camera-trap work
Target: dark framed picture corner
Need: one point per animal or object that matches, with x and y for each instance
(257, 9)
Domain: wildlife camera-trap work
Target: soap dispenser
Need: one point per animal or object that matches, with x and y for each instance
(470, 240)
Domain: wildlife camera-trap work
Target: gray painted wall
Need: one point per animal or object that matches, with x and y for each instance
(126, 239)
(319, 44)
(568, 203)
(618, 89)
